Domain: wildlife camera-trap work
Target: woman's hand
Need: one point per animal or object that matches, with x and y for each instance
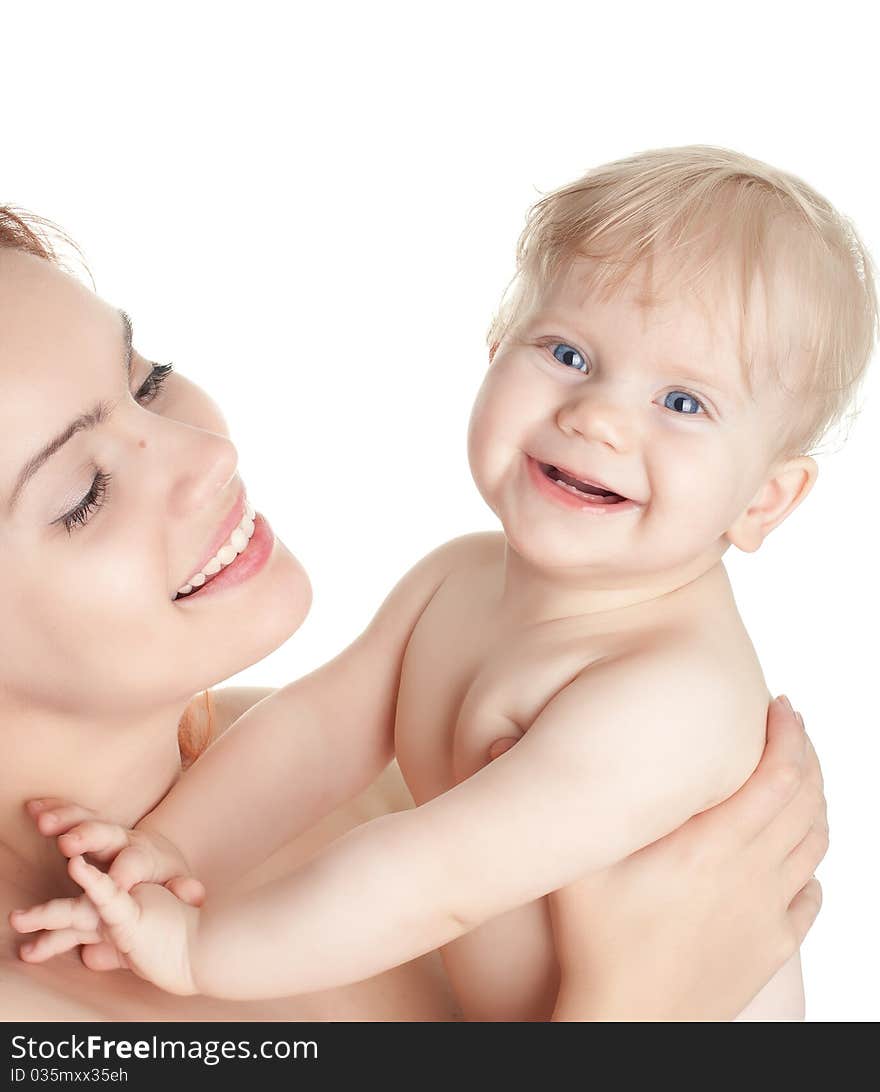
(133, 856)
(694, 925)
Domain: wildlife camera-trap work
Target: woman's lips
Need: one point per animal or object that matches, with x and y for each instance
(246, 564)
(233, 518)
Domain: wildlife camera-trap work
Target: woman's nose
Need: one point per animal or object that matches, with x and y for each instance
(594, 417)
(205, 464)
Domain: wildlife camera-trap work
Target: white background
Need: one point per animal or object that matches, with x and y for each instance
(312, 210)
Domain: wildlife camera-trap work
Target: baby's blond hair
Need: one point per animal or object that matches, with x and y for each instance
(821, 301)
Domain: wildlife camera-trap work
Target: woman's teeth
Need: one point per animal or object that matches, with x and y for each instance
(228, 552)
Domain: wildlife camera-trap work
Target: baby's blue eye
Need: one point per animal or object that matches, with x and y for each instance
(569, 356)
(688, 399)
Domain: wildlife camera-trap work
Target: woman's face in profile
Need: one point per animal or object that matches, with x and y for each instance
(98, 536)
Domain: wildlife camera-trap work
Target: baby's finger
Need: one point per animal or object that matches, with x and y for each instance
(134, 865)
(54, 943)
(102, 840)
(188, 889)
(117, 908)
(102, 957)
(60, 819)
(75, 913)
(44, 803)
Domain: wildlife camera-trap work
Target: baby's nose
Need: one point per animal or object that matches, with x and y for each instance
(596, 418)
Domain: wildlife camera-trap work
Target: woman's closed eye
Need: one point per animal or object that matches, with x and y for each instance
(96, 497)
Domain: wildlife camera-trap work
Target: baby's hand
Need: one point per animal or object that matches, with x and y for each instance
(137, 856)
(150, 929)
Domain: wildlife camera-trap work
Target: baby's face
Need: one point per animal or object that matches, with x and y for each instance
(650, 403)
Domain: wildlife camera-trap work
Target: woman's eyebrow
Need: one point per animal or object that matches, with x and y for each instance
(88, 420)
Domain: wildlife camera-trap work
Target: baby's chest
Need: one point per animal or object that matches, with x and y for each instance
(457, 698)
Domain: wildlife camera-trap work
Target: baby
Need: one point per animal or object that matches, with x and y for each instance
(685, 324)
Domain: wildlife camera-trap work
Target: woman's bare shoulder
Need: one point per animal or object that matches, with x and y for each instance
(230, 702)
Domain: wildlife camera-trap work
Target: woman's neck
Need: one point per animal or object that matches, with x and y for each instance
(118, 769)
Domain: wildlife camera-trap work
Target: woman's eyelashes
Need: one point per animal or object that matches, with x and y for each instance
(91, 502)
(80, 515)
(570, 357)
(153, 384)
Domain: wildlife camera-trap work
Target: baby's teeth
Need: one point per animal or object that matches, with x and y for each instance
(197, 580)
(185, 590)
(248, 527)
(227, 554)
(249, 510)
(212, 567)
(238, 539)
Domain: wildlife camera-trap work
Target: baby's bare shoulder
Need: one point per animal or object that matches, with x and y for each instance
(718, 679)
(477, 546)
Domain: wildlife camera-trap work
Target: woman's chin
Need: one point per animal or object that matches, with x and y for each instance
(281, 603)
(245, 623)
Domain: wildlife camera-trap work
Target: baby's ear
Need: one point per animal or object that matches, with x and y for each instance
(493, 350)
(777, 498)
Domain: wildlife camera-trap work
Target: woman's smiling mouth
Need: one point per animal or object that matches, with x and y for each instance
(236, 544)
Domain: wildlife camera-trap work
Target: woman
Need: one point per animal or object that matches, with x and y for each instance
(117, 475)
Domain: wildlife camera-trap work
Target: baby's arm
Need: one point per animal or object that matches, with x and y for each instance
(593, 780)
(308, 747)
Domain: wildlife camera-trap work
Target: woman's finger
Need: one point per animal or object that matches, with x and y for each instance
(57, 820)
(743, 816)
(103, 841)
(53, 943)
(103, 957)
(793, 823)
(188, 889)
(75, 913)
(803, 861)
(804, 908)
(812, 769)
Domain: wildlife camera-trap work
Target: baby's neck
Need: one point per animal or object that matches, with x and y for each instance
(119, 770)
(534, 594)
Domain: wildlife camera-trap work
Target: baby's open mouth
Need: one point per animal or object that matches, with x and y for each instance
(579, 488)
